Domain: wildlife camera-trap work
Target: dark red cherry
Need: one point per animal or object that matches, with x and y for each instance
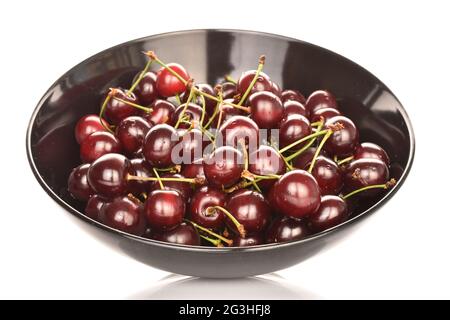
(146, 89)
(98, 144)
(284, 229)
(108, 175)
(366, 172)
(191, 146)
(263, 82)
(250, 240)
(194, 170)
(192, 113)
(371, 150)
(117, 110)
(294, 107)
(131, 133)
(185, 234)
(292, 129)
(328, 175)
(275, 89)
(224, 166)
(94, 207)
(140, 168)
(297, 194)
(78, 185)
(87, 125)
(210, 104)
(239, 128)
(250, 208)
(169, 85)
(158, 145)
(204, 198)
(266, 161)
(183, 188)
(332, 211)
(302, 160)
(266, 109)
(325, 114)
(164, 209)
(343, 142)
(320, 99)
(293, 95)
(229, 90)
(228, 112)
(162, 112)
(125, 214)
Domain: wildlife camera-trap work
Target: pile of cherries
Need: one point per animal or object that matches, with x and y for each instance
(183, 162)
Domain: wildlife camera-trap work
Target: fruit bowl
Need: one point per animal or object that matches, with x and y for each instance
(53, 152)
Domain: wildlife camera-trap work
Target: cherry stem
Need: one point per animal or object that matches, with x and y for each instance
(211, 210)
(319, 148)
(286, 162)
(203, 110)
(186, 105)
(317, 123)
(385, 186)
(218, 236)
(153, 56)
(309, 144)
(102, 111)
(141, 75)
(262, 60)
(176, 168)
(215, 242)
(218, 90)
(137, 106)
(312, 135)
(187, 180)
(177, 96)
(161, 185)
(340, 162)
(230, 79)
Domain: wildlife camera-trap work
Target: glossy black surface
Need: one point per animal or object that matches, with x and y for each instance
(209, 55)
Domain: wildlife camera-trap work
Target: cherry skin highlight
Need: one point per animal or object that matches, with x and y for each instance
(223, 167)
(366, 172)
(98, 144)
(371, 150)
(185, 234)
(125, 214)
(94, 207)
(343, 142)
(146, 89)
(117, 110)
(266, 161)
(332, 211)
(158, 145)
(168, 85)
(162, 112)
(266, 109)
(204, 198)
(293, 128)
(87, 125)
(78, 185)
(131, 133)
(164, 209)
(284, 229)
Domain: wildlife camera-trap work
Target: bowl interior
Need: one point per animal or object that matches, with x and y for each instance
(209, 55)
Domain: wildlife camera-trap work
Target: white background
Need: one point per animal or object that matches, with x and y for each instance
(400, 252)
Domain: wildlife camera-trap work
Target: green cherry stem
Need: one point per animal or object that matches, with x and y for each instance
(218, 236)
(306, 146)
(262, 60)
(319, 148)
(203, 110)
(141, 75)
(215, 242)
(153, 56)
(137, 106)
(312, 135)
(230, 79)
(211, 210)
(161, 185)
(341, 162)
(186, 105)
(187, 180)
(385, 186)
(218, 90)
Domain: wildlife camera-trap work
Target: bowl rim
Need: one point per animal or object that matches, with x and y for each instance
(203, 249)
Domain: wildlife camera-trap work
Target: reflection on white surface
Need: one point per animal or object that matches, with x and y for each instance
(270, 286)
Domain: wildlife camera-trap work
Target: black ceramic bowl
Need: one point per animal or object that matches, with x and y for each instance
(209, 55)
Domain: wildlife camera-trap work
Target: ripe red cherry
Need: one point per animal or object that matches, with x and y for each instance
(146, 89)
(250, 209)
(131, 133)
(366, 172)
(108, 175)
(284, 229)
(294, 107)
(343, 142)
(227, 113)
(266, 161)
(262, 83)
(94, 207)
(158, 145)
(210, 104)
(204, 198)
(117, 110)
(320, 99)
(98, 144)
(293, 95)
(239, 128)
(332, 211)
(250, 240)
(191, 145)
(194, 170)
(164, 209)
(229, 90)
(162, 112)
(328, 175)
(275, 89)
(193, 113)
(292, 129)
(78, 185)
(325, 114)
(306, 157)
(140, 168)
(266, 109)
(223, 167)
(87, 125)
(371, 150)
(125, 214)
(185, 234)
(167, 84)
(183, 188)
(297, 194)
